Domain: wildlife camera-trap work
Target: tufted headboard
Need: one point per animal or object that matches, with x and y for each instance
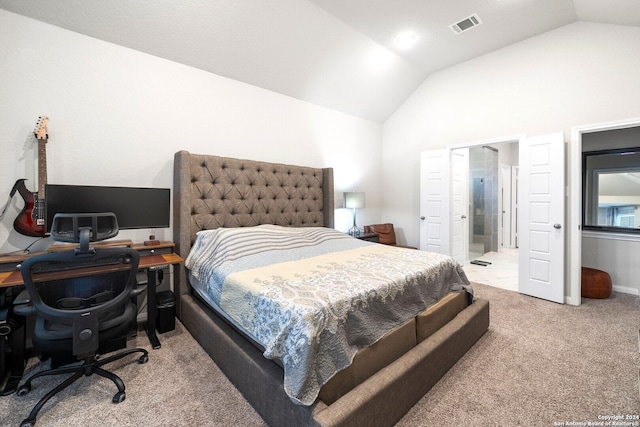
(211, 192)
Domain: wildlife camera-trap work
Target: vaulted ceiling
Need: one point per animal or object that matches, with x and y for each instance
(335, 53)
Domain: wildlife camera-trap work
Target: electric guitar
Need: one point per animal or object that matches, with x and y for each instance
(31, 221)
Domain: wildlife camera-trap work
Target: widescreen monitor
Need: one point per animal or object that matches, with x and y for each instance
(134, 207)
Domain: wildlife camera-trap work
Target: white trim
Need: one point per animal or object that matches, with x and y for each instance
(513, 138)
(505, 211)
(611, 236)
(626, 290)
(619, 124)
(574, 219)
(514, 202)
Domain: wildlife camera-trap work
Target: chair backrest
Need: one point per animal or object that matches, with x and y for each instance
(386, 232)
(81, 290)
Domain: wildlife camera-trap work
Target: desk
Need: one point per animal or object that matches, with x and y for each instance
(150, 260)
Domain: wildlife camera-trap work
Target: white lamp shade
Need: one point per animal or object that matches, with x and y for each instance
(354, 200)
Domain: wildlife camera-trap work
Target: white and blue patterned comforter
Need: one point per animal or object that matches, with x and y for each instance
(312, 296)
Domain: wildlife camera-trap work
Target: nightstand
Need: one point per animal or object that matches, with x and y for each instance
(369, 237)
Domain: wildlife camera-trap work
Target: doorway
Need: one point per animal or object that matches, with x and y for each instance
(603, 250)
(491, 232)
(483, 201)
(485, 209)
(540, 189)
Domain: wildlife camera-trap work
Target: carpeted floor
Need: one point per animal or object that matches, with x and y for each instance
(179, 386)
(542, 363)
(539, 364)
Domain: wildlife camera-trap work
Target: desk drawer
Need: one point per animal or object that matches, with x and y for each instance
(11, 266)
(150, 250)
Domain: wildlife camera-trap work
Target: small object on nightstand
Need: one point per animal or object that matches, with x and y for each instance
(369, 237)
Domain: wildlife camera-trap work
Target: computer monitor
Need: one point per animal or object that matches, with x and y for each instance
(134, 207)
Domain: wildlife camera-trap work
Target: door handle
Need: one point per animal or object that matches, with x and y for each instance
(422, 218)
(557, 226)
(463, 216)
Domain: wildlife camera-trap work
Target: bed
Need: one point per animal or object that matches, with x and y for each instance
(390, 369)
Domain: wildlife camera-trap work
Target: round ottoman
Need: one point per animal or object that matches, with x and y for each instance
(595, 283)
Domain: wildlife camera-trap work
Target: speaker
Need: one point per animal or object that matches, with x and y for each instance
(7, 323)
(166, 311)
(12, 350)
(5, 330)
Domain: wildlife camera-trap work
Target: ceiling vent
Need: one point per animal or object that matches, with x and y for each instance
(466, 24)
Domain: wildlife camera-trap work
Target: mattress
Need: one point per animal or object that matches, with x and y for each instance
(311, 297)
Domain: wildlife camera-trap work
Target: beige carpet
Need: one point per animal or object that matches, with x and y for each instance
(539, 363)
(179, 386)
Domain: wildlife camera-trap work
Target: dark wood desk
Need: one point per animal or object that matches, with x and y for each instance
(151, 260)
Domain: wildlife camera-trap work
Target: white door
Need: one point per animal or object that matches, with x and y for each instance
(460, 204)
(505, 206)
(514, 211)
(434, 201)
(541, 217)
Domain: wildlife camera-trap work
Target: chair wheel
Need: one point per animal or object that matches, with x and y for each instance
(143, 359)
(24, 389)
(28, 423)
(119, 397)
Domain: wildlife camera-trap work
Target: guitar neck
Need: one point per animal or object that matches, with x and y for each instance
(42, 167)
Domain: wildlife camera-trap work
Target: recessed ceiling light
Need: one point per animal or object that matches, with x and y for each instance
(405, 40)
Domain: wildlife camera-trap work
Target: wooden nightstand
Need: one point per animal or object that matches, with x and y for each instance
(369, 237)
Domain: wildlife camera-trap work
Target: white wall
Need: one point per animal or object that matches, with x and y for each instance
(579, 74)
(117, 116)
(617, 255)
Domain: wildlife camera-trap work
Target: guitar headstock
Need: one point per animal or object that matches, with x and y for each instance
(41, 128)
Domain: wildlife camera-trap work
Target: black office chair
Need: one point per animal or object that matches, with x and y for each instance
(82, 300)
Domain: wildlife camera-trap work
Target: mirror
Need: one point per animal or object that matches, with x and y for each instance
(611, 190)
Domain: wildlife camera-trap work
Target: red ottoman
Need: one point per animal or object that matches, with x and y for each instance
(595, 283)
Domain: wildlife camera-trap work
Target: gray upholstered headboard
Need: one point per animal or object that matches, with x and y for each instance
(211, 192)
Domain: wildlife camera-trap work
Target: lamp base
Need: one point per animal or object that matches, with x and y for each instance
(356, 231)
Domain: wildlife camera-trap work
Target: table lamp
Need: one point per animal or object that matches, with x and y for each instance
(354, 200)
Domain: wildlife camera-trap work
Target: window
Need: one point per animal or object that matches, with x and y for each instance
(611, 190)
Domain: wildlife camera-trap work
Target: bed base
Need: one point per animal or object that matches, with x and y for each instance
(381, 400)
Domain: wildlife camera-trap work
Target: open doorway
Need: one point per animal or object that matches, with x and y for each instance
(491, 228)
(611, 252)
(484, 192)
(540, 188)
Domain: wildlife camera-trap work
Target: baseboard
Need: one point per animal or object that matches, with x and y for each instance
(626, 290)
